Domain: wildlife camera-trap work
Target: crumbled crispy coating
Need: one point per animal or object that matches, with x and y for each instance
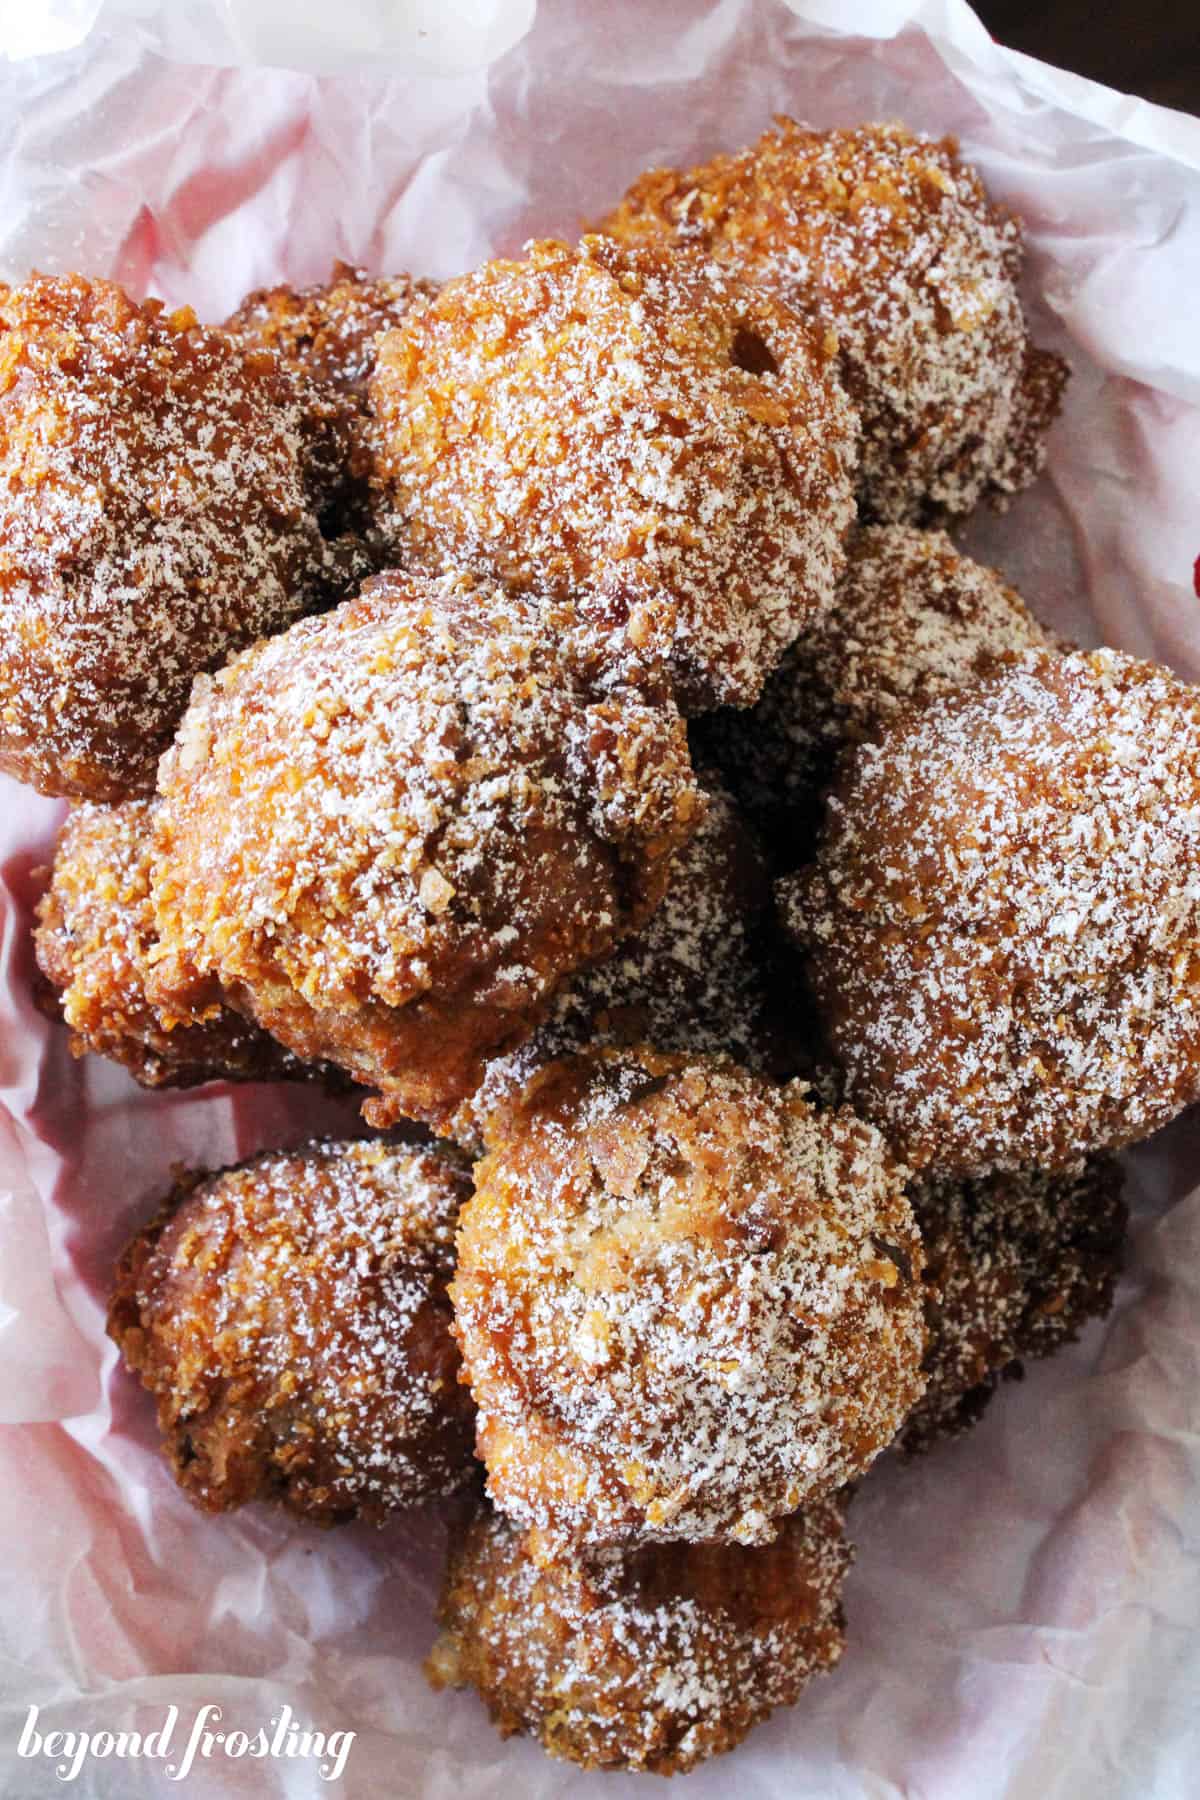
(635, 434)
(698, 977)
(913, 620)
(390, 832)
(1015, 1266)
(162, 491)
(1003, 915)
(94, 942)
(328, 333)
(889, 241)
(290, 1316)
(688, 1303)
(651, 1659)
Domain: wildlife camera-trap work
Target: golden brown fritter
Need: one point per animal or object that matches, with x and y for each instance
(699, 976)
(636, 435)
(161, 499)
(390, 832)
(291, 1318)
(651, 1659)
(913, 620)
(688, 1303)
(888, 241)
(1015, 1266)
(1003, 915)
(328, 334)
(329, 331)
(94, 942)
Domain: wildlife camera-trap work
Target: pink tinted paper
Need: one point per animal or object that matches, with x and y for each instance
(1024, 1613)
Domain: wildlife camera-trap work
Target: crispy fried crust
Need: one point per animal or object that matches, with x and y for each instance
(1015, 1266)
(290, 1316)
(95, 941)
(1002, 918)
(328, 334)
(890, 242)
(688, 1303)
(162, 497)
(699, 976)
(389, 833)
(653, 1659)
(913, 620)
(662, 448)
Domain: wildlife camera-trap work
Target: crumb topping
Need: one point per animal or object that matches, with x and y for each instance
(696, 977)
(649, 1660)
(94, 942)
(687, 1302)
(1002, 918)
(391, 831)
(889, 242)
(633, 433)
(291, 1316)
(159, 511)
(1015, 1266)
(913, 620)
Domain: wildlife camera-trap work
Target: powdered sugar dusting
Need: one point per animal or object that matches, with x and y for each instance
(391, 831)
(687, 1302)
(913, 620)
(634, 433)
(643, 1660)
(890, 242)
(161, 508)
(696, 977)
(1003, 916)
(1015, 1266)
(291, 1316)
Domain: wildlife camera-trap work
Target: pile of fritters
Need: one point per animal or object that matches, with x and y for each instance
(553, 703)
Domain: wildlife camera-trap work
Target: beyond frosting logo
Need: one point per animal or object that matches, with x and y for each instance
(177, 1749)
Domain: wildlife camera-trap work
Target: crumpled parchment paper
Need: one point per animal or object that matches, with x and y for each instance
(1025, 1610)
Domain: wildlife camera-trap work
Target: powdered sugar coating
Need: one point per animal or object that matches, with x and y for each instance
(636, 434)
(1003, 916)
(95, 941)
(687, 1302)
(390, 832)
(291, 1317)
(913, 620)
(888, 240)
(1015, 1266)
(650, 1660)
(696, 977)
(161, 497)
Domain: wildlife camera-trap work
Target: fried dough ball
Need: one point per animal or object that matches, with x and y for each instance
(161, 497)
(1003, 916)
(94, 942)
(290, 1316)
(663, 448)
(696, 977)
(688, 1303)
(390, 832)
(913, 620)
(651, 1659)
(1015, 1266)
(328, 333)
(890, 242)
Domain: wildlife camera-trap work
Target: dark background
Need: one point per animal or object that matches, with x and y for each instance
(1150, 47)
